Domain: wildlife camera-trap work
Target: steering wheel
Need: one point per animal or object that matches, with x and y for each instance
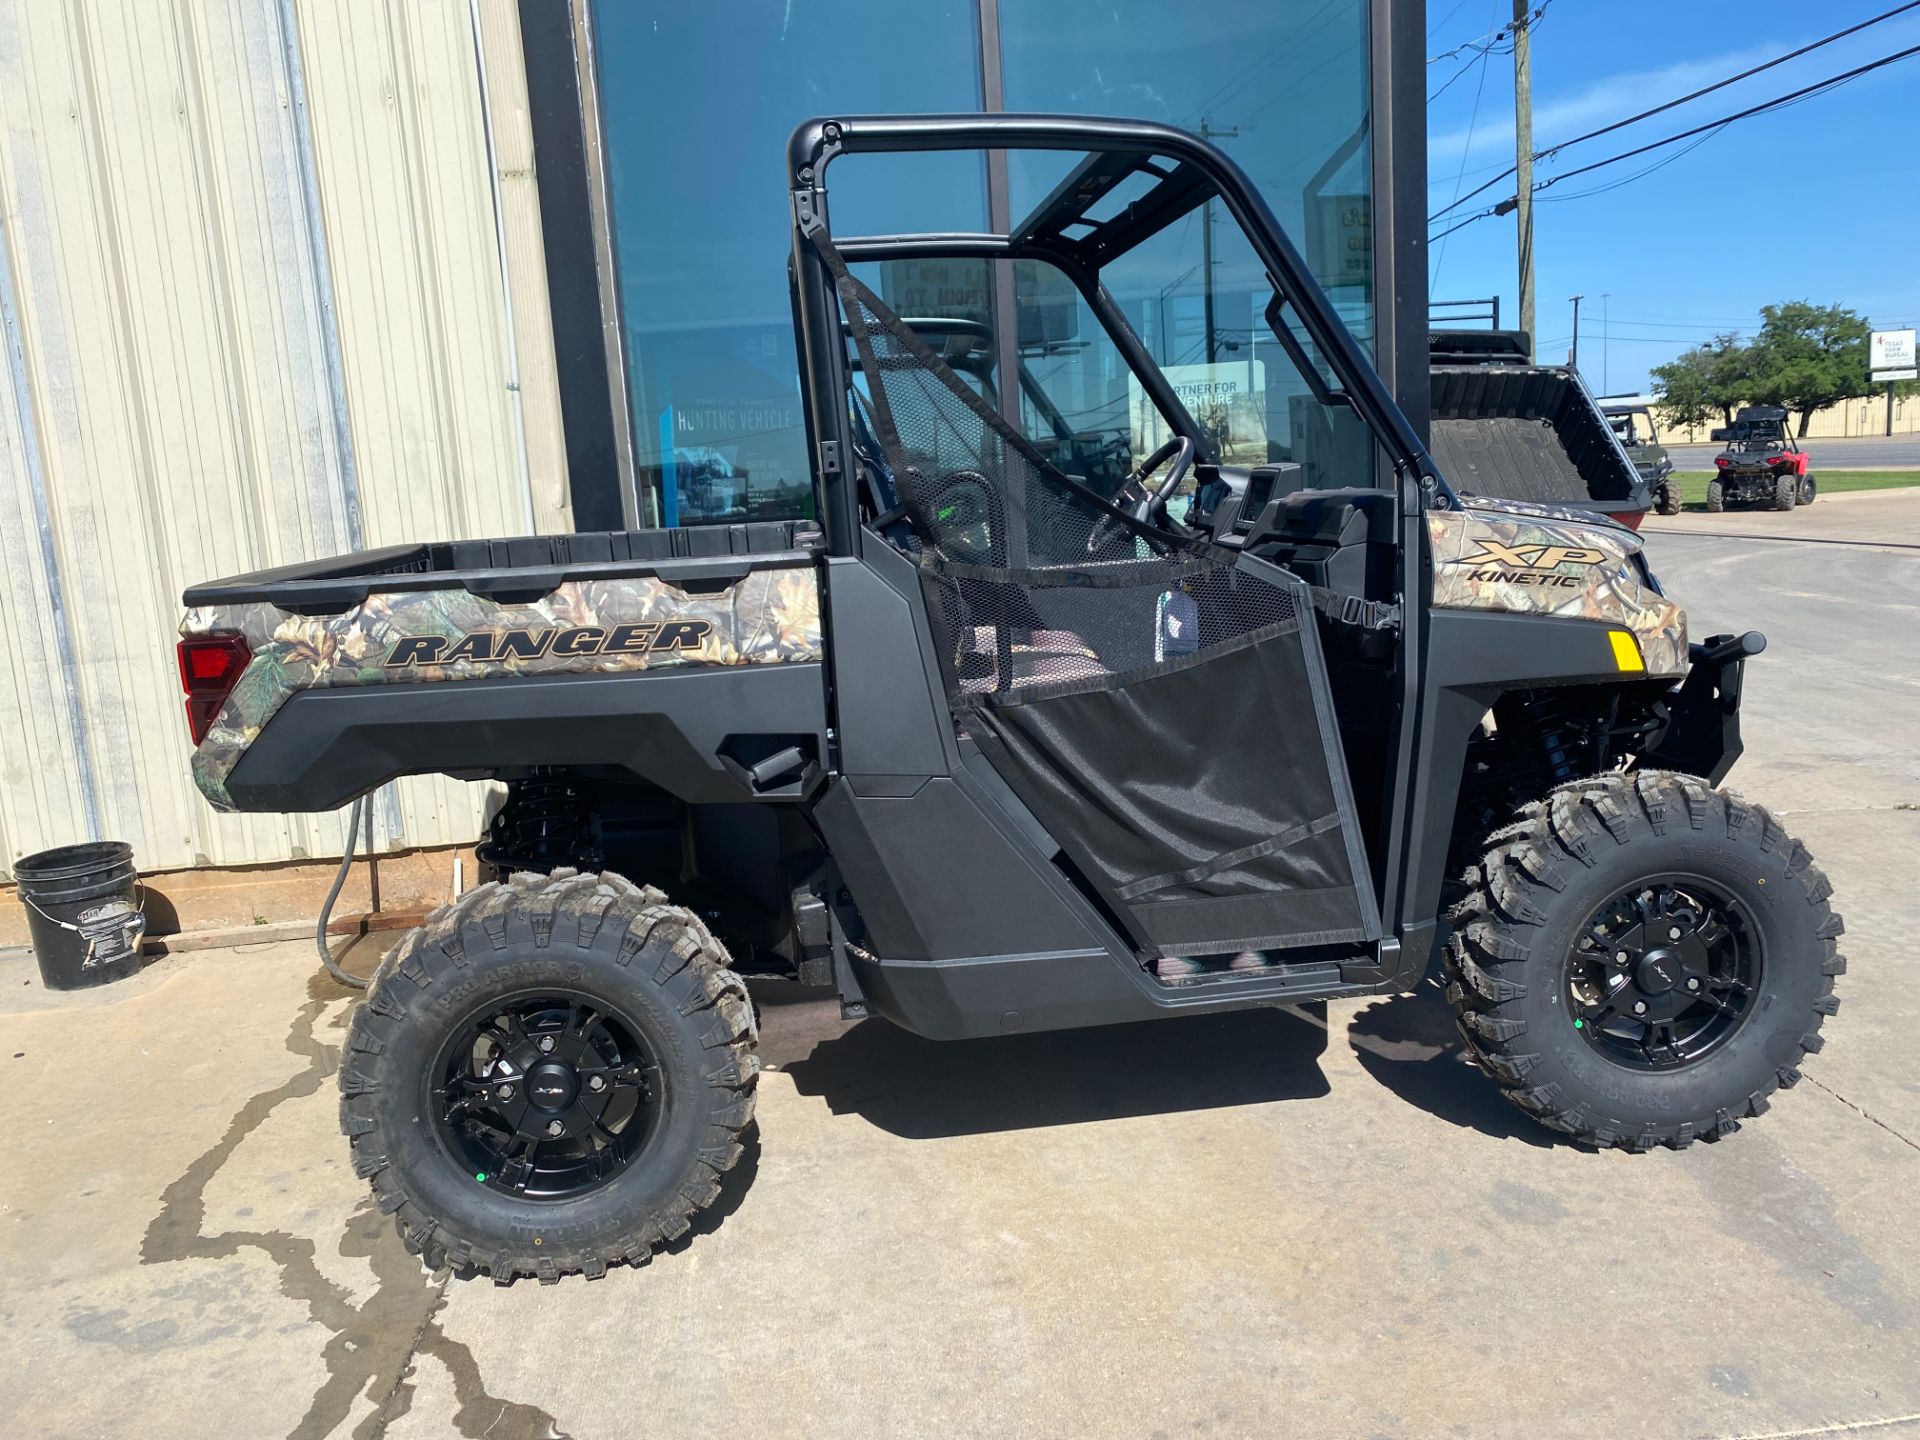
(1136, 498)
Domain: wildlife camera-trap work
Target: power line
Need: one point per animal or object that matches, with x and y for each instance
(1733, 79)
(1479, 60)
(1712, 126)
(1695, 95)
(1441, 23)
(1778, 102)
(1486, 43)
(1259, 64)
(1486, 59)
(1637, 175)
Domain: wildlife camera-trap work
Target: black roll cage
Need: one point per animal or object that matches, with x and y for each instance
(1188, 171)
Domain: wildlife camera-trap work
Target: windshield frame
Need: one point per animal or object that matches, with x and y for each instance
(1190, 170)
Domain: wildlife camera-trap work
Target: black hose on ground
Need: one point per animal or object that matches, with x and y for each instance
(326, 908)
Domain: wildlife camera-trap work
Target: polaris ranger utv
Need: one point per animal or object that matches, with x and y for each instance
(987, 750)
(1762, 464)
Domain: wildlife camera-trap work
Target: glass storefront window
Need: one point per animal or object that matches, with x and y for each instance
(1283, 89)
(697, 102)
(1285, 92)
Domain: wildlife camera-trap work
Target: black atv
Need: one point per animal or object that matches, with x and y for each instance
(1762, 464)
(986, 751)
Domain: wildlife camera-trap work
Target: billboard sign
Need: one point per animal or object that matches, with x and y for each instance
(1890, 355)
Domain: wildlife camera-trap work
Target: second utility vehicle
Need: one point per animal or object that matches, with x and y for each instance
(1632, 424)
(1762, 464)
(996, 748)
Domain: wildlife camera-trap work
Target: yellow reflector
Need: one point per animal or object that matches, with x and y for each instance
(1626, 651)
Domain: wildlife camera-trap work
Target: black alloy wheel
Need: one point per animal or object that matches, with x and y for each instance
(546, 1096)
(550, 1077)
(1662, 975)
(1642, 960)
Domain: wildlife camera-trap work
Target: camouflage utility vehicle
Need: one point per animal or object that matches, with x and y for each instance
(1632, 423)
(995, 747)
(1762, 464)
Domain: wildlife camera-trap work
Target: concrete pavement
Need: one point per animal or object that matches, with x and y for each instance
(1260, 1224)
(1854, 517)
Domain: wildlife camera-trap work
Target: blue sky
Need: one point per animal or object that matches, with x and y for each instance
(1818, 201)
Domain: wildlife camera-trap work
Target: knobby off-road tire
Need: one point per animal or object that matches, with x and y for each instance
(1809, 488)
(596, 936)
(1786, 492)
(1716, 497)
(1668, 500)
(1529, 900)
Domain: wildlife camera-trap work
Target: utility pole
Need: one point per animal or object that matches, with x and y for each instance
(1606, 346)
(1207, 132)
(1573, 356)
(1523, 158)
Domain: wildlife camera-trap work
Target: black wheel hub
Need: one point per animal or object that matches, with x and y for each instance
(552, 1086)
(546, 1096)
(1663, 974)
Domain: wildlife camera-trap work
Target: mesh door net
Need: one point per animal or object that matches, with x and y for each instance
(1162, 709)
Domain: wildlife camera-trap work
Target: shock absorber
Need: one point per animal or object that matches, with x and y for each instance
(546, 823)
(1547, 722)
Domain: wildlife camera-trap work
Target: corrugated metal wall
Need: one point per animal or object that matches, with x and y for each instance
(269, 289)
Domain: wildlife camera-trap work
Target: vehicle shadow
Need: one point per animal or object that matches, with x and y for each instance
(1409, 1044)
(925, 1089)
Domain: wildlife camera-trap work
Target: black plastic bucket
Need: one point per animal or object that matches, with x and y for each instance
(83, 912)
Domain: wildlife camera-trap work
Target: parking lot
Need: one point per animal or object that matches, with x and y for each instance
(1313, 1223)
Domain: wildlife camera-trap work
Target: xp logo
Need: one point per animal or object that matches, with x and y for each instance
(1544, 557)
(1529, 564)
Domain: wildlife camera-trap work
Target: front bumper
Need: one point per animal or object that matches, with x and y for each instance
(1702, 734)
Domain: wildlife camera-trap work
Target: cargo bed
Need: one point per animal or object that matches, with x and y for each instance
(1512, 430)
(525, 566)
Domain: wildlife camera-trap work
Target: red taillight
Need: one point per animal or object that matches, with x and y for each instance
(1721, 461)
(210, 666)
(1631, 518)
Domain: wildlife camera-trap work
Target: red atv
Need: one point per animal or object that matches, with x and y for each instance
(1762, 464)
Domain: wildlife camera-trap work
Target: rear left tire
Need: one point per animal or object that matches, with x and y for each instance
(549, 1077)
(1728, 970)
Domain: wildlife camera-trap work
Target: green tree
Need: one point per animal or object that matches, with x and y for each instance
(1807, 357)
(1707, 380)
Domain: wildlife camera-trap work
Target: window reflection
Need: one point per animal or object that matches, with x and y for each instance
(698, 100)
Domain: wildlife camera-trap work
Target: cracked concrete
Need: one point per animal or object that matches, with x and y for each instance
(1318, 1222)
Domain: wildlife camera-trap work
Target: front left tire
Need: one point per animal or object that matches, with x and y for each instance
(1641, 960)
(549, 1077)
